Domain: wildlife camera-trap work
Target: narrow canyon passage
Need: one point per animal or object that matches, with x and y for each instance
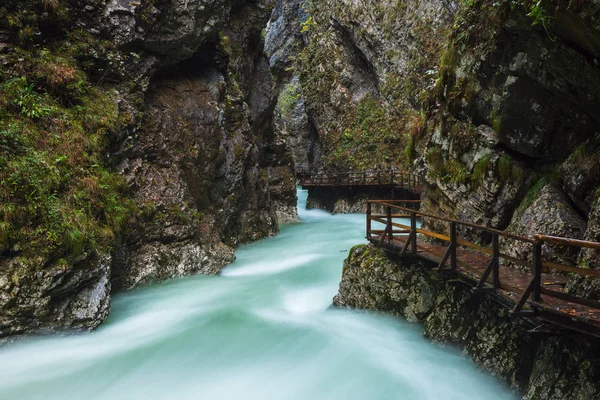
(262, 330)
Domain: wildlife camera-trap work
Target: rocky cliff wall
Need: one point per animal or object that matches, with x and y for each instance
(535, 366)
(493, 103)
(137, 145)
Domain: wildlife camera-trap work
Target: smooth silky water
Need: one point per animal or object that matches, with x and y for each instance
(262, 330)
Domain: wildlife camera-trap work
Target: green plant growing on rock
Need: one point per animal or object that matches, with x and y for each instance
(435, 160)
(481, 167)
(59, 197)
(22, 95)
(308, 25)
(507, 169)
(410, 150)
(288, 99)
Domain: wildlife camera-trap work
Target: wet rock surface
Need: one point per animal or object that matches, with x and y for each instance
(72, 297)
(485, 106)
(284, 38)
(198, 150)
(551, 214)
(563, 367)
(351, 200)
(206, 164)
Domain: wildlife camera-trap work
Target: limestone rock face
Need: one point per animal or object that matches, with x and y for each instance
(551, 214)
(589, 258)
(283, 40)
(556, 368)
(206, 166)
(353, 58)
(477, 100)
(198, 151)
(533, 95)
(564, 369)
(284, 33)
(293, 126)
(173, 30)
(70, 296)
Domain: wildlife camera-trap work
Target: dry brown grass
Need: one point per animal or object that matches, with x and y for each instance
(58, 76)
(50, 4)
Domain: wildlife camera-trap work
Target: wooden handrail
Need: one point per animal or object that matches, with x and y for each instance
(391, 202)
(575, 270)
(469, 224)
(537, 266)
(365, 178)
(568, 242)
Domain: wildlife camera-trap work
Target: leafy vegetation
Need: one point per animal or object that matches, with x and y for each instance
(371, 137)
(58, 198)
(288, 99)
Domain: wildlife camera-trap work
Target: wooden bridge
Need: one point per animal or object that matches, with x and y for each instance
(531, 287)
(375, 179)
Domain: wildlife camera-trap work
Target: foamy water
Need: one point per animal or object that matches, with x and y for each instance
(263, 330)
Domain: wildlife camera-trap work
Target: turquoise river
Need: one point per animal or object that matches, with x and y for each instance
(261, 330)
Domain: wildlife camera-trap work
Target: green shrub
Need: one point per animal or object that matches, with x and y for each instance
(22, 95)
(288, 99)
(410, 150)
(481, 167)
(435, 159)
(508, 170)
(58, 196)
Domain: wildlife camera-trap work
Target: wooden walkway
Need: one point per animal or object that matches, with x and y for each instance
(375, 179)
(532, 288)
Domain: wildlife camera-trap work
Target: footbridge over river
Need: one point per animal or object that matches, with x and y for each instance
(394, 179)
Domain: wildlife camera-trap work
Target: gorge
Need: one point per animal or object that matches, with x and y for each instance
(142, 141)
(262, 330)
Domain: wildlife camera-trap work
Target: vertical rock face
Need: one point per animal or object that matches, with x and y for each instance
(362, 71)
(284, 38)
(207, 170)
(533, 91)
(488, 107)
(173, 164)
(196, 147)
(563, 367)
(549, 212)
(73, 296)
(485, 103)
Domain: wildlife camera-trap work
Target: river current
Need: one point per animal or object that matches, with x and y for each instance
(262, 330)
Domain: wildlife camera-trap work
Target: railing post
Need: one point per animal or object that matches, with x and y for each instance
(379, 178)
(368, 219)
(389, 224)
(537, 271)
(495, 261)
(413, 232)
(453, 243)
(392, 177)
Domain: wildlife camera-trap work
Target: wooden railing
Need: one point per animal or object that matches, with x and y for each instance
(395, 178)
(402, 237)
